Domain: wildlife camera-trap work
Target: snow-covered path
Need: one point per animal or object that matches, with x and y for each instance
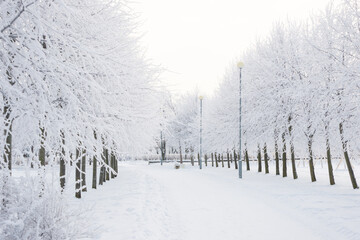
(160, 203)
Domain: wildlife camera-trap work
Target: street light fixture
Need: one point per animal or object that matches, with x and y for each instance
(240, 66)
(200, 155)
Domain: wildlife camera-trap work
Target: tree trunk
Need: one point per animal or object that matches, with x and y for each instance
(163, 150)
(83, 170)
(277, 165)
(42, 147)
(112, 164)
(247, 160)
(293, 165)
(284, 156)
(235, 160)
(101, 175)
(212, 159)
(266, 159)
(107, 168)
(104, 172)
(102, 168)
(222, 160)
(259, 159)
(116, 166)
(62, 162)
(198, 155)
(347, 159)
(8, 136)
(292, 152)
(311, 161)
(206, 158)
(94, 177)
(8, 127)
(78, 174)
(216, 160)
(228, 159)
(112, 175)
(192, 160)
(329, 162)
(181, 160)
(42, 161)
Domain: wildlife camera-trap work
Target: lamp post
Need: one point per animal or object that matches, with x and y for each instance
(200, 155)
(240, 66)
(162, 139)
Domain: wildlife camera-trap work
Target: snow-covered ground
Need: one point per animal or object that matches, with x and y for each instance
(153, 202)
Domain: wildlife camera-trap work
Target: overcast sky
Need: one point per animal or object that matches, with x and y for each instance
(195, 40)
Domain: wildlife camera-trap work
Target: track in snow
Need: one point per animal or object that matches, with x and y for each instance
(161, 203)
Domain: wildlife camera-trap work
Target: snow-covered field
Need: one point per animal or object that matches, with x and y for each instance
(153, 202)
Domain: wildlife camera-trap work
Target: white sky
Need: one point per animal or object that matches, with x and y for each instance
(195, 40)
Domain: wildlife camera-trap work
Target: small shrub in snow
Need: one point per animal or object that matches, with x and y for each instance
(177, 165)
(30, 210)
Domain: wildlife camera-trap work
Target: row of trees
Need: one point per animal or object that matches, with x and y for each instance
(300, 94)
(75, 88)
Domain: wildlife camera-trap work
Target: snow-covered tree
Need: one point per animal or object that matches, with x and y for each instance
(75, 88)
(300, 88)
